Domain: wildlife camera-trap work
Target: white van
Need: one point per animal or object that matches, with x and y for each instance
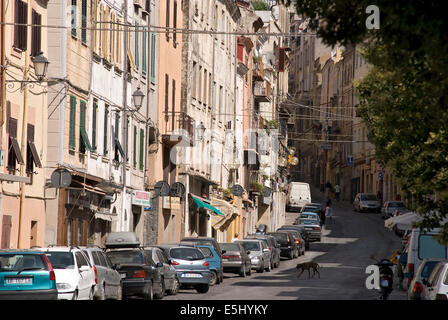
(421, 246)
(299, 194)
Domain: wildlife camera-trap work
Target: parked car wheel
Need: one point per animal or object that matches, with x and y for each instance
(213, 278)
(102, 295)
(202, 288)
(243, 271)
(150, 294)
(162, 292)
(92, 293)
(261, 269)
(175, 289)
(75, 295)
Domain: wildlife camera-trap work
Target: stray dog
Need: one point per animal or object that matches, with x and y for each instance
(307, 266)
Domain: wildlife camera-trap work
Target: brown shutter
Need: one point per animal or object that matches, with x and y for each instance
(281, 59)
(36, 33)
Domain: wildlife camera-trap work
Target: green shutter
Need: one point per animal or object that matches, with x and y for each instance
(106, 124)
(136, 46)
(84, 142)
(135, 147)
(153, 57)
(95, 110)
(72, 132)
(142, 146)
(144, 52)
(84, 22)
(73, 13)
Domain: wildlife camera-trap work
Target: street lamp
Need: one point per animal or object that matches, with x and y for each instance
(40, 66)
(200, 129)
(138, 98)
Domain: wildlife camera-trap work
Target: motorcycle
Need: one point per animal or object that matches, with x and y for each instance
(386, 278)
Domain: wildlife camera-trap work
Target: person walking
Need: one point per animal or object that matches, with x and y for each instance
(329, 211)
(337, 191)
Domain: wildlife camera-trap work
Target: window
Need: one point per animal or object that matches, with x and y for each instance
(118, 147)
(72, 133)
(193, 92)
(14, 154)
(144, 52)
(20, 17)
(32, 157)
(127, 139)
(84, 22)
(106, 124)
(94, 115)
(36, 33)
(167, 84)
(84, 142)
(173, 104)
(220, 102)
(80, 260)
(428, 247)
(73, 14)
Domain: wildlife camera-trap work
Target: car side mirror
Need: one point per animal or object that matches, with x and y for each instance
(159, 265)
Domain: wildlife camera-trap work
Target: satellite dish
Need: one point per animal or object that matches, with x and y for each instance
(161, 188)
(177, 190)
(237, 190)
(61, 178)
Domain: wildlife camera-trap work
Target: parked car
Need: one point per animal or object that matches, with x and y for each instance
(313, 229)
(140, 275)
(420, 279)
(167, 270)
(312, 207)
(366, 202)
(437, 284)
(208, 242)
(390, 207)
(236, 259)
(423, 246)
(309, 215)
(273, 247)
(26, 275)
(215, 263)
(75, 276)
(288, 246)
(259, 254)
(303, 233)
(300, 242)
(191, 266)
(109, 285)
(298, 195)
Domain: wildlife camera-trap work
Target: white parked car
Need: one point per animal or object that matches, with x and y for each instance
(75, 276)
(299, 195)
(437, 284)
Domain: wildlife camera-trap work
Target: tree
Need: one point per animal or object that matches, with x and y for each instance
(404, 98)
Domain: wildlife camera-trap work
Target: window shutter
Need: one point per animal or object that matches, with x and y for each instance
(281, 59)
(82, 125)
(20, 31)
(17, 8)
(72, 133)
(137, 59)
(94, 114)
(106, 124)
(173, 107)
(167, 84)
(73, 22)
(35, 33)
(153, 57)
(174, 22)
(135, 147)
(167, 19)
(127, 138)
(142, 147)
(144, 52)
(84, 22)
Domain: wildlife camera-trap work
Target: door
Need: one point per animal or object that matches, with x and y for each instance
(33, 237)
(85, 277)
(6, 232)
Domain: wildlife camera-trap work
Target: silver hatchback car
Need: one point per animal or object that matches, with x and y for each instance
(259, 254)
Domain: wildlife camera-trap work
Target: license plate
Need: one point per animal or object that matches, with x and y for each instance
(384, 283)
(191, 275)
(225, 259)
(19, 281)
(123, 275)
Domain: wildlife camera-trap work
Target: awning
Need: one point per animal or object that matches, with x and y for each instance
(229, 210)
(105, 217)
(402, 222)
(202, 204)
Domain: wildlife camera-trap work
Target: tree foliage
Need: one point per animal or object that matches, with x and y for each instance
(404, 98)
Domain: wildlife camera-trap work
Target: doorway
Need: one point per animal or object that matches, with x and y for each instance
(33, 237)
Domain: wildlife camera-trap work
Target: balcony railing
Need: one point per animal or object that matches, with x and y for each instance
(262, 91)
(177, 127)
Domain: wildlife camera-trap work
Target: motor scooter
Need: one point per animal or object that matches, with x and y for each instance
(386, 277)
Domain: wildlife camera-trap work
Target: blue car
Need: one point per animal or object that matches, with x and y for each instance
(214, 260)
(26, 275)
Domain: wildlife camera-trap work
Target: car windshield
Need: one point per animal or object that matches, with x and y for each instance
(126, 257)
(299, 187)
(426, 271)
(17, 262)
(229, 246)
(308, 216)
(307, 221)
(251, 245)
(61, 259)
(429, 248)
(189, 254)
(369, 197)
(312, 209)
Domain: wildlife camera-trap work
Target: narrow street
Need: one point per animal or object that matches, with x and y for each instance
(343, 255)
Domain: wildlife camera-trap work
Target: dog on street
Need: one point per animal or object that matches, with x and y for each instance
(308, 266)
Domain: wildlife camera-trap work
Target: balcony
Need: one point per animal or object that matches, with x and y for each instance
(262, 91)
(177, 127)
